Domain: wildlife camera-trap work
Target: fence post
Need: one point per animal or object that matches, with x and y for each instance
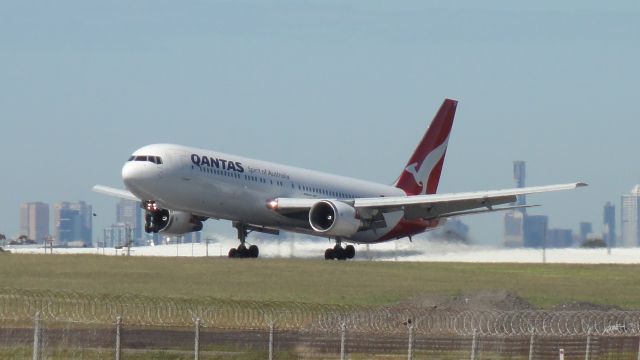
(196, 350)
(531, 341)
(410, 351)
(343, 339)
(588, 349)
(37, 338)
(473, 345)
(271, 340)
(118, 336)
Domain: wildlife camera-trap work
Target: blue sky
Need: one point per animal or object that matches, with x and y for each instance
(343, 87)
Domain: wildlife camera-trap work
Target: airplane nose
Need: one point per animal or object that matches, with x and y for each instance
(131, 172)
(137, 176)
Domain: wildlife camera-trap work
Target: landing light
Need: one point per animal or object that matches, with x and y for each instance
(152, 206)
(273, 204)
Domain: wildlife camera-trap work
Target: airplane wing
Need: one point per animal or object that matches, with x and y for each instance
(428, 206)
(120, 193)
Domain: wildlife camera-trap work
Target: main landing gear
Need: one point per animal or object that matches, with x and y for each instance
(242, 251)
(154, 218)
(340, 253)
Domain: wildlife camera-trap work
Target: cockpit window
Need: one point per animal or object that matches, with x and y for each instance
(150, 158)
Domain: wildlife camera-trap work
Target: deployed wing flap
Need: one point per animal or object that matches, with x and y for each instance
(120, 193)
(481, 211)
(439, 209)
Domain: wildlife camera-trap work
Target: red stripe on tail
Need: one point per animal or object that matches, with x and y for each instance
(421, 175)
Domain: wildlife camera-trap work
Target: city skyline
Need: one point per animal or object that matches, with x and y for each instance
(127, 224)
(345, 88)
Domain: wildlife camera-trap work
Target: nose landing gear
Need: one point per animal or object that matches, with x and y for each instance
(154, 218)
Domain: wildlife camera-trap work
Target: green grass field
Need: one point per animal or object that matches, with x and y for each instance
(319, 281)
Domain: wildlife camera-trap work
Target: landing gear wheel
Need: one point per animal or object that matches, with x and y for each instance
(329, 254)
(243, 252)
(350, 251)
(339, 252)
(253, 251)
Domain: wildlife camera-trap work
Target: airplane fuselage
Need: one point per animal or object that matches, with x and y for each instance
(222, 186)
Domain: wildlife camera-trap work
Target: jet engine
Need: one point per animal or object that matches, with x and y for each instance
(172, 222)
(334, 218)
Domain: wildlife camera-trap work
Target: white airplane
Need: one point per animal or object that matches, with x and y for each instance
(180, 187)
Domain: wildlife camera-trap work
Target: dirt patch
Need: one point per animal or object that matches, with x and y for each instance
(491, 300)
(480, 300)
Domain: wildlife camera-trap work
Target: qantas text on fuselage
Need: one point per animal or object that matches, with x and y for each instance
(180, 187)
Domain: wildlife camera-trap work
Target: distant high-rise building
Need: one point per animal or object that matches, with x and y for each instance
(514, 219)
(630, 218)
(513, 229)
(609, 221)
(519, 175)
(73, 223)
(129, 213)
(585, 229)
(535, 230)
(34, 221)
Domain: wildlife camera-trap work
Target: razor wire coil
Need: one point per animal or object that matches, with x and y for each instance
(20, 304)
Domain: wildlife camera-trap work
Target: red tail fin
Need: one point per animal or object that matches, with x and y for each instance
(422, 173)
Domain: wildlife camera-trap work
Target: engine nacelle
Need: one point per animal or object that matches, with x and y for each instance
(173, 222)
(334, 218)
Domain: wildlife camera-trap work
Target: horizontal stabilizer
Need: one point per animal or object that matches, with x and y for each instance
(120, 193)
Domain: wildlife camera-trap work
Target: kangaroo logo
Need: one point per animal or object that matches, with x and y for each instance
(420, 172)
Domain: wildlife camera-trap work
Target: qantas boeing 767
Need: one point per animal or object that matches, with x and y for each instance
(180, 187)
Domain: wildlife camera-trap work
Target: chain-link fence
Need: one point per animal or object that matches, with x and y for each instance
(70, 325)
(54, 339)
